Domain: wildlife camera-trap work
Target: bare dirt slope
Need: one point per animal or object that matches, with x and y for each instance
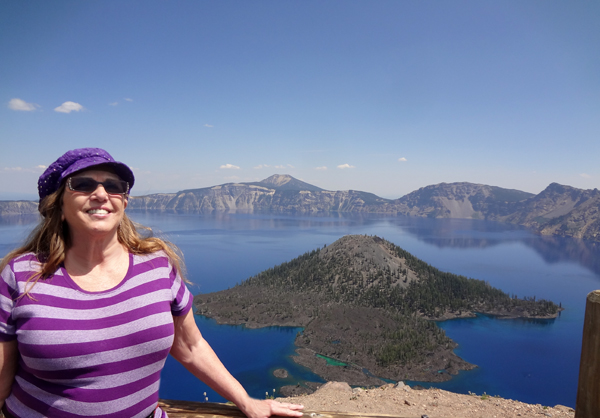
(402, 401)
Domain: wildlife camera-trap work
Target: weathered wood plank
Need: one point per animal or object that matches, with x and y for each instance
(588, 401)
(187, 409)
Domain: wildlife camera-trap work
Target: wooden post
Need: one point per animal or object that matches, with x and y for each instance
(588, 391)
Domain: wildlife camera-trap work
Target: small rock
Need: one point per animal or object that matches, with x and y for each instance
(563, 408)
(338, 386)
(281, 373)
(406, 402)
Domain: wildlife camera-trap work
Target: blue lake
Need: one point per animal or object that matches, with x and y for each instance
(531, 361)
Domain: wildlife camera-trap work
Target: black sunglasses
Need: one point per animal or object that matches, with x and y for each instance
(89, 185)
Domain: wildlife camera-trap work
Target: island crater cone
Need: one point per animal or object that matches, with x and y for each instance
(367, 308)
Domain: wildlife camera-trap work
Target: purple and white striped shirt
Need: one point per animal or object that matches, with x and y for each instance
(90, 354)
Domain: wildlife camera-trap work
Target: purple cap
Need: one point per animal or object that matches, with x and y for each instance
(77, 160)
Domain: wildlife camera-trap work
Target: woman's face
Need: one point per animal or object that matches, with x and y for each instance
(96, 213)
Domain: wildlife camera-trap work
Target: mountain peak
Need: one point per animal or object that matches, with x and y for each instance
(278, 179)
(558, 188)
(287, 182)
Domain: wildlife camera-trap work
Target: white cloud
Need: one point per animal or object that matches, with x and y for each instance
(113, 103)
(68, 107)
(37, 169)
(323, 168)
(127, 99)
(22, 105)
(585, 176)
(230, 167)
(261, 166)
(280, 166)
(344, 166)
(290, 166)
(209, 126)
(402, 159)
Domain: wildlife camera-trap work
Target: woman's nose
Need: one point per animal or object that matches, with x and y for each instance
(100, 192)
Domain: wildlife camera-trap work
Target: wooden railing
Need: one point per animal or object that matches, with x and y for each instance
(588, 389)
(185, 409)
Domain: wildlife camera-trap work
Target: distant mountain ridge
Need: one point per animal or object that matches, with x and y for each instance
(462, 200)
(557, 210)
(278, 193)
(561, 210)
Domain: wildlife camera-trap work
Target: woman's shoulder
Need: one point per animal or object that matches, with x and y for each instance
(21, 267)
(25, 261)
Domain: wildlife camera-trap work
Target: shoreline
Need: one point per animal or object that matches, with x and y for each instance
(436, 369)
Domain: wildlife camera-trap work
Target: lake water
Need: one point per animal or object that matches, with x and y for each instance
(531, 361)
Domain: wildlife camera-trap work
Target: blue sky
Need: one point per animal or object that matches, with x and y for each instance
(379, 96)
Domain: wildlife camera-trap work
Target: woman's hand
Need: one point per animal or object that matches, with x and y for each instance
(256, 408)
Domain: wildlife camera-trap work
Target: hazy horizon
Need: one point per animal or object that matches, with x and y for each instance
(23, 196)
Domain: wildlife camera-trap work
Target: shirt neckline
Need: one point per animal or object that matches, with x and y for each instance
(75, 286)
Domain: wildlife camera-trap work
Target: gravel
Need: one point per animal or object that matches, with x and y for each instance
(402, 401)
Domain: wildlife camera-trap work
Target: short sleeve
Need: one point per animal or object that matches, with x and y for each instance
(8, 288)
(182, 299)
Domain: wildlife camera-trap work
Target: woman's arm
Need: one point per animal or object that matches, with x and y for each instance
(8, 367)
(192, 350)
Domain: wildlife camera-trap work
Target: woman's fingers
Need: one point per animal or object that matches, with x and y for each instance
(286, 409)
(267, 408)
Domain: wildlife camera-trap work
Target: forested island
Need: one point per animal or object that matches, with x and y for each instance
(369, 306)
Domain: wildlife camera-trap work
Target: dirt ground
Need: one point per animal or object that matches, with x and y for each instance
(402, 401)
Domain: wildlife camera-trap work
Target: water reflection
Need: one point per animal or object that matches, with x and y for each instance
(465, 233)
(558, 249)
(533, 322)
(441, 233)
(19, 220)
(244, 221)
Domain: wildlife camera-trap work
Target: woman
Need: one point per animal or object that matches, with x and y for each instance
(90, 309)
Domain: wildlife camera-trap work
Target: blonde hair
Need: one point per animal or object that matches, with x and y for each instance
(50, 240)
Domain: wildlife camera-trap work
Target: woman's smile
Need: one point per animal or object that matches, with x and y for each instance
(98, 211)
